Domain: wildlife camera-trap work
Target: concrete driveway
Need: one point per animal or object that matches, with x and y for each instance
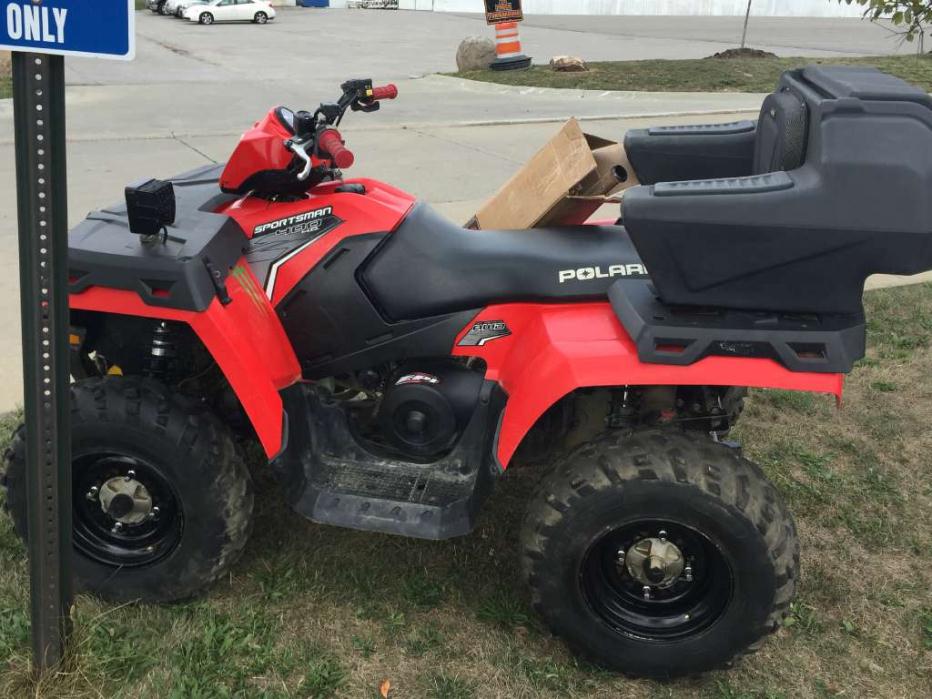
(193, 90)
(307, 47)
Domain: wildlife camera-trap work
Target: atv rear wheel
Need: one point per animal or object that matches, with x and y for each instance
(660, 554)
(206, 18)
(162, 501)
(261, 18)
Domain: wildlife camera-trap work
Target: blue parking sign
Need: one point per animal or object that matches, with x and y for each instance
(100, 28)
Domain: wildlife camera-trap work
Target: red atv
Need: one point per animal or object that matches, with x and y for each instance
(392, 364)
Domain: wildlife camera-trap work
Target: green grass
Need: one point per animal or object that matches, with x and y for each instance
(6, 87)
(314, 611)
(697, 75)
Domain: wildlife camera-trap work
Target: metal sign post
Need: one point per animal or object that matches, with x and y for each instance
(41, 33)
(39, 112)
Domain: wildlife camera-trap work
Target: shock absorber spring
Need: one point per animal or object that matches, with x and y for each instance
(162, 351)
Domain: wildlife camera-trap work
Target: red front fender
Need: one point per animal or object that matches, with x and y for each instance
(244, 337)
(556, 349)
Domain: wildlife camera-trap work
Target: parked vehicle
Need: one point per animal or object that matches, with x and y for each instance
(391, 364)
(257, 11)
(170, 7)
(183, 5)
(155, 5)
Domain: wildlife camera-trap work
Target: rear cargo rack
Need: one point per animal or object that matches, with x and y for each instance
(682, 335)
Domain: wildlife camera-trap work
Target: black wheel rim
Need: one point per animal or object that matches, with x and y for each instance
(683, 609)
(129, 545)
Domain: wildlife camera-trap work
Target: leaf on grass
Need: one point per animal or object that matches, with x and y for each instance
(385, 688)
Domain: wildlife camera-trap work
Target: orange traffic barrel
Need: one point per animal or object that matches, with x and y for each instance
(508, 48)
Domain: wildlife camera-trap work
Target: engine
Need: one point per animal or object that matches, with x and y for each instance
(426, 405)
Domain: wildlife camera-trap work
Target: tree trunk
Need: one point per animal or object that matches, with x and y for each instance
(747, 16)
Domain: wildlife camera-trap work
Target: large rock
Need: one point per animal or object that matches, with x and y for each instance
(475, 53)
(568, 64)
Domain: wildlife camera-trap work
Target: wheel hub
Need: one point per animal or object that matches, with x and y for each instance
(126, 513)
(655, 562)
(125, 499)
(656, 579)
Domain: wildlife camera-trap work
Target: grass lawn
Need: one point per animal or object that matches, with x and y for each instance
(6, 75)
(697, 75)
(313, 611)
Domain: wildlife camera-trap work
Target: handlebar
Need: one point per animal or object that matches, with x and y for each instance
(317, 132)
(330, 141)
(385, 92)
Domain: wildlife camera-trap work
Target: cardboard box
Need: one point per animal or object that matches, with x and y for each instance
(564, 183)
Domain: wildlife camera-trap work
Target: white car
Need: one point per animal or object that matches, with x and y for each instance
(176, 8)
(258, 11)
(182, 5)
(170, 7)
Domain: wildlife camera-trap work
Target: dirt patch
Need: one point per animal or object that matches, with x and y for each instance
(5, 63)
(736, 74)
(743, 53)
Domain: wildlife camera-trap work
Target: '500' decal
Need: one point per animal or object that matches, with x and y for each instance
(286, 226)
(276, 242)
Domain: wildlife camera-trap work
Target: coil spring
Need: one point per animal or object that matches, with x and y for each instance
(162, 350)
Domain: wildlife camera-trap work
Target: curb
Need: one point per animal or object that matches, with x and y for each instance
(415, 125)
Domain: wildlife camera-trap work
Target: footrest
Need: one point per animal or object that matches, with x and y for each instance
(407, 500)
(330, 476)
(682, 335)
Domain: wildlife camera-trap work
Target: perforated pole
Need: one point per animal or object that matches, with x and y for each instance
(39, 112)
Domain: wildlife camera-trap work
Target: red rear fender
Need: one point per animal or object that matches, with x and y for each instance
(555, 349)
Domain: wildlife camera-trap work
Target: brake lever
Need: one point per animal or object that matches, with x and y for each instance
(298, 150)
(360, 106)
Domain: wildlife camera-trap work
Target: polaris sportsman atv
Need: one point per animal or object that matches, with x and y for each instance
(392, 364)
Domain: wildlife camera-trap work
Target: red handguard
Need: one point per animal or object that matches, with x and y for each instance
(386, 92)
(331, 142)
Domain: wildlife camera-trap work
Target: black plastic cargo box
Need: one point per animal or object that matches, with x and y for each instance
(834, 185)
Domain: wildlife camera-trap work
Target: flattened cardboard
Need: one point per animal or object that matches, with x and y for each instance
(564, 182)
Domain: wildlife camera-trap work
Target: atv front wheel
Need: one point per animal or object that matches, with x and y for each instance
(161, 500)
(660, 554)
(206, 18)
(261, 18)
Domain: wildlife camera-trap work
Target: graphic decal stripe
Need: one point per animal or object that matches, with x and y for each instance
(273, 270)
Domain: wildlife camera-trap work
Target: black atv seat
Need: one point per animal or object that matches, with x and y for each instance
(430, 266)
(776, 141)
